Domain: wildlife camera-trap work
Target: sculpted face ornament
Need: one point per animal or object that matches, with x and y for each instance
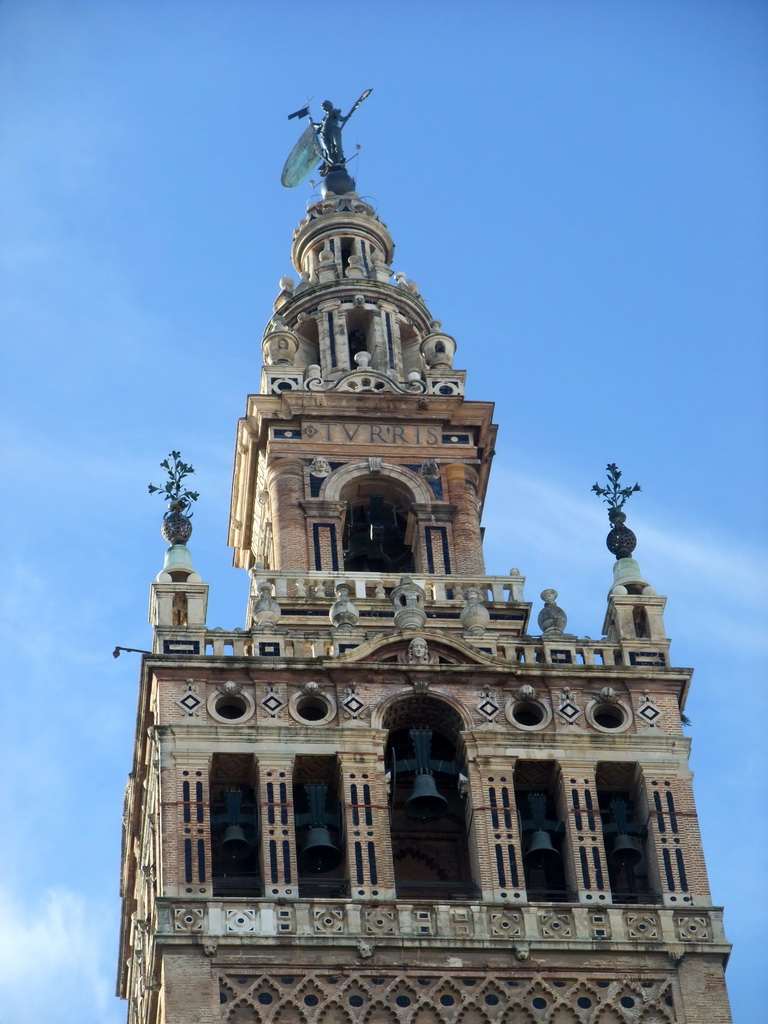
(319, 466)
(418, 651)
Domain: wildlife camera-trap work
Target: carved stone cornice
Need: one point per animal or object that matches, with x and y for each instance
(315, 508)
(439, 512)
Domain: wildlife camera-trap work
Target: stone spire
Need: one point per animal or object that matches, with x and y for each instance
(178, 598)
(635, 611)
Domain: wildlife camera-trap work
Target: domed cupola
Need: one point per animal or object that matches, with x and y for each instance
(351, 324)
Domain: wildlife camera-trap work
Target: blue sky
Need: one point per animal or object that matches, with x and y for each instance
(579, 189)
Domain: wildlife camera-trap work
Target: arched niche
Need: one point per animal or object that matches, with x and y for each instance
(410, 483)
(426, 760)
(379, 529)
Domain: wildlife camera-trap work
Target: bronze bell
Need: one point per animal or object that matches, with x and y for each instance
(234, 844)
(541, 853)
(320, 853)
(425, 803)
(627, 851)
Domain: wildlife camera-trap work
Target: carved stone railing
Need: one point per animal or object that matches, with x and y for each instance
(468, 924)
(373, 586)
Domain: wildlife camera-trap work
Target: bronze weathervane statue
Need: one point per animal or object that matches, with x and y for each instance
(321, 142)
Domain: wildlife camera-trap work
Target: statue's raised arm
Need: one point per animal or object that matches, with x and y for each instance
(322, 142)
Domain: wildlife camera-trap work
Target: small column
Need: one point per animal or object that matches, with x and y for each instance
(467, 539)
(586, 870)
(676, 866)
(285, 480)
(388, 335)
(277, 828)
(186, 826)
(334, 345)
(494, 833)
(369, 843)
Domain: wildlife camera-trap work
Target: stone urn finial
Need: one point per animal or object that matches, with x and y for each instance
(266, 611)
(176, 528)
(474, 615)
(280, 346)
(408, 600)
(552, 619)
(343, 612)
(438, 350)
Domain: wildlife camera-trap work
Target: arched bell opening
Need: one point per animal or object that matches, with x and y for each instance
(361, 336)
(234, 826)
(541, 831)
(378, 526)
(425, 760)
(320, 851)
(347, 250)
(409, 346)
(309, 342)
(624, 833)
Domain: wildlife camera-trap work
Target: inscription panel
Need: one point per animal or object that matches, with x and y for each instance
(389, 434)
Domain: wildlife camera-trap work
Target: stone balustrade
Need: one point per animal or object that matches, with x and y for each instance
(522, 650)
(372, 586)
(476, 924)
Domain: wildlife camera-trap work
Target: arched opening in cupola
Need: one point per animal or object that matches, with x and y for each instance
(361, 336)
(428, 817)
(307, 332)
(409, 346)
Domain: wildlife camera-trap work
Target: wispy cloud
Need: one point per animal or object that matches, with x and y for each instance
(52, 960)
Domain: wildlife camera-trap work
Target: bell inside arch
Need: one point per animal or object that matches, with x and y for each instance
(234, 844)
(320, 853)
(425, 802)
(627, 851)
(541, 853)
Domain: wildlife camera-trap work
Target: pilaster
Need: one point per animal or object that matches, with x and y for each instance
(324, 526)
(674, 839)
(366, 814)
(495, 832)
(278, 828)
(186, 825)
(285, 480)
(468, 541)
(586, 867)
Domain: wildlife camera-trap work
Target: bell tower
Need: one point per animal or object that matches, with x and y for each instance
(392, 797)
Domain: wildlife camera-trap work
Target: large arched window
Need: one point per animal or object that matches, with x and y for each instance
(377, 529)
